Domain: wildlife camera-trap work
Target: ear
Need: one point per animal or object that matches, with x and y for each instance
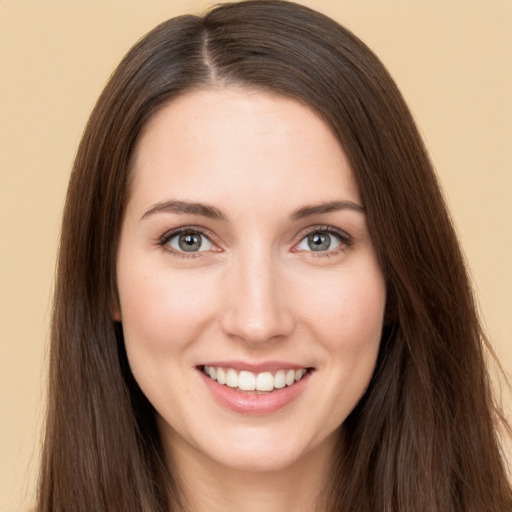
(115, 314)
(115, 307)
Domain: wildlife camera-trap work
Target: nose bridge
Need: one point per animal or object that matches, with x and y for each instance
(257, 311)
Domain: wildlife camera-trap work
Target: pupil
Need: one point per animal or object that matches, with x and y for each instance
(189, 242)
(319, 241)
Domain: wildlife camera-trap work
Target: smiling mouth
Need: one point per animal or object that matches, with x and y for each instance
(245, 381)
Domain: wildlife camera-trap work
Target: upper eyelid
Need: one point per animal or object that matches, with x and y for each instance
(326, 229)
(345, 240)
(163, 241)
(184, 229)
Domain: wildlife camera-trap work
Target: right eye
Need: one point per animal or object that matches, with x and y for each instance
(188, 241)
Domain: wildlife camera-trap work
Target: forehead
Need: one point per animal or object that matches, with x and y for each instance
(217, 144)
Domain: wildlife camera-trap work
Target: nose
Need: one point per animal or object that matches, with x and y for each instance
(258, 305)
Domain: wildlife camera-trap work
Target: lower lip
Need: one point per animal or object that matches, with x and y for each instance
(253, 403)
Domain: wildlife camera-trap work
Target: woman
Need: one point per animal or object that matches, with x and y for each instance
(261, 302)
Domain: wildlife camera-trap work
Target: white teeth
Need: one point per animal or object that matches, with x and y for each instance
(232, 378)
(248, 381)
(221, 376)
(299, 374)
(280, 379)
(265, 381)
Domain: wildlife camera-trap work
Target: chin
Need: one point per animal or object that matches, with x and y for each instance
(262, 450)
(262, 462)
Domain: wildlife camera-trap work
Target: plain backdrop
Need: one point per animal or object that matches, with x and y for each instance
(451, 59)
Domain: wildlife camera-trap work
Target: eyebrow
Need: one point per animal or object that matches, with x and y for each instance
(331, 206)
(204, 210)
(210, 212)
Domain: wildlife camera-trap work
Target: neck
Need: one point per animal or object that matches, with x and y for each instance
(211, 487)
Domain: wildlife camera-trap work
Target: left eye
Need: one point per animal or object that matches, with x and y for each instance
(320, 241)
(190, 241)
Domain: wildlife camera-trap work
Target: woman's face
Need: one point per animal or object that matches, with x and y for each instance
(245, 253)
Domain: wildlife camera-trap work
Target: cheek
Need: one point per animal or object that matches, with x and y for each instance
(363, 313)
(350, 334)
(163, 310)
(348, 309)
(163, 314)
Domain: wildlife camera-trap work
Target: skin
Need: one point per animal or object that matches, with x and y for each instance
(255, 292)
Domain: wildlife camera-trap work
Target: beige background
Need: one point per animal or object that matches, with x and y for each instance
(451, 59)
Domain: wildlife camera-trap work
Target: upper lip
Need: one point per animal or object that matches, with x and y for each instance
(266, 366)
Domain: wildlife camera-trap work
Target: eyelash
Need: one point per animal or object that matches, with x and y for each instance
(344, 238)
(169, 235)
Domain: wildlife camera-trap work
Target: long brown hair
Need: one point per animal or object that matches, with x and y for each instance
(423, 438)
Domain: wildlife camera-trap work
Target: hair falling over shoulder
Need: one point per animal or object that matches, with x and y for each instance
(424, 436)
